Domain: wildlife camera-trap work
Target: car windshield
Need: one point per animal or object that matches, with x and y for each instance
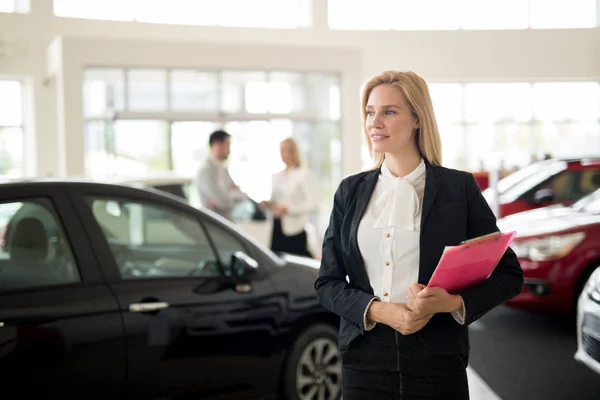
(511, 180)
(589, 203)
(530, 181)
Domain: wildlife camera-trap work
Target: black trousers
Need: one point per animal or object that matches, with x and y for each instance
(295, 244)
(384, 364)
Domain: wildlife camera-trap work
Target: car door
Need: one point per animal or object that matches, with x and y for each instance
(61, 335)
(193, 329)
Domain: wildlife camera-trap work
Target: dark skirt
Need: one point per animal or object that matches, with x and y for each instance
(295, 244)
(384, 364)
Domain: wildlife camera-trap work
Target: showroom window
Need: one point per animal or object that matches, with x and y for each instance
(504, 125)
(11, 128)
(462, 14)
(144, 121)
(15, 6)
(251, 14)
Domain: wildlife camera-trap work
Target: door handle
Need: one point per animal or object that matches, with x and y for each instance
(243, 288)
(146, 307)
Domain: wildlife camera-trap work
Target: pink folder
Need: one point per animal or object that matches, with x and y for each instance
(471, 262)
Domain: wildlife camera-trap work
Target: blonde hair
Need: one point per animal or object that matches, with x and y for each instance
(295, 150)
(415, 91)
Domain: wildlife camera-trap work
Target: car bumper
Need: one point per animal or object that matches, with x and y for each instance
(546, 287)
(588, 332)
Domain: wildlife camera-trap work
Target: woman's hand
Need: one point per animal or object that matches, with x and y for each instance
(279, 211)
(397, 316)
(427, 301)
(405, 321)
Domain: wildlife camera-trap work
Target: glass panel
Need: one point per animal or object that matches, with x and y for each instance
(141, 146)
(11, 103)
(323, 95)
(244, 91)
(147, 90)
(453, 145)
(103, 92)
(35, 251)
(194, 91)
(287, 92)
(320, 149)
(566, 101)
(189, 144)
(154, 242)
(7, 6)
(447, 101)
(495, 14)
(486, 102)
(564, 139)
(418, 15)
(552, 14)
(501, 145)
(11, 152)
(99, 149)
(255, 154)
(113, 10)
(262, 13)
(182, 12)
(350, 14)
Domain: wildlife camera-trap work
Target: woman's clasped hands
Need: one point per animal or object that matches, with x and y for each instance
(422, 303)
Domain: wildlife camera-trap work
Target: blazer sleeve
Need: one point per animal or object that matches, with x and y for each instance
(506, 281)
(333, 291)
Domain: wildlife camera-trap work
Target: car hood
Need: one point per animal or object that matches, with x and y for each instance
(547, 220)
(301, 261)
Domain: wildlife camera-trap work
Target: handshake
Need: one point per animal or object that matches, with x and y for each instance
(422, 303)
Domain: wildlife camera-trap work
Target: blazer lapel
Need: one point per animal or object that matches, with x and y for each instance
(433, 180)
(362, 200)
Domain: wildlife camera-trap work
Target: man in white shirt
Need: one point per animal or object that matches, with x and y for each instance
(217, 190)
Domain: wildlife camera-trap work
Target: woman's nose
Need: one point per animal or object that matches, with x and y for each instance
(377, 121)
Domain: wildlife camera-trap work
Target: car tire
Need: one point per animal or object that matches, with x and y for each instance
(313, 369)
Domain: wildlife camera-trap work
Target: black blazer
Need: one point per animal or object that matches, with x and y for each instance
(453, 210)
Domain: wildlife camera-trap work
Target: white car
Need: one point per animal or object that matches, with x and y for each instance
(588, 323)
(247, 215)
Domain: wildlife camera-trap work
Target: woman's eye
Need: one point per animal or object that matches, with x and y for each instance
(370, 112)
(390, 112)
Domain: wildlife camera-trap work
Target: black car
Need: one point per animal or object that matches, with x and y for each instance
(110, 291)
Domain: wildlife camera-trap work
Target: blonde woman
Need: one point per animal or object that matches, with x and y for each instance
(388, 229)
(293, 199)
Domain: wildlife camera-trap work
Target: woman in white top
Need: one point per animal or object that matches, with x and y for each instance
(293, 199)
(398, 338)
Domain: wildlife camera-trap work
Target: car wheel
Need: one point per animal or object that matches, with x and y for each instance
(314, 367)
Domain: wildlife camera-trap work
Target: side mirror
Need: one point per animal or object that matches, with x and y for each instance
(242, 264)
(543, 196)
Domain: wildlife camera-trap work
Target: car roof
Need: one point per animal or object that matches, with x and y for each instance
(147, 180)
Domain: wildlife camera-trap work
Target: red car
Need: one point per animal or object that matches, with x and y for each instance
(558, 248)
(544, 183)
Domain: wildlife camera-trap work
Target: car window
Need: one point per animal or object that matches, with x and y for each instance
(532, 181)
(34, 250)
(150, 241)
(225, 242)
(589, 181)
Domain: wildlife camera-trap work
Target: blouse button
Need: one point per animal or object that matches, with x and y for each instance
(387, 263)
(385, 294)
(387, 235)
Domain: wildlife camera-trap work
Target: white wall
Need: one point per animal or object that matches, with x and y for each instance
(449, 56)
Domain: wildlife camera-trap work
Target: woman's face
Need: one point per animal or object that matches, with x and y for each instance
(390, 123)
(286, 154)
